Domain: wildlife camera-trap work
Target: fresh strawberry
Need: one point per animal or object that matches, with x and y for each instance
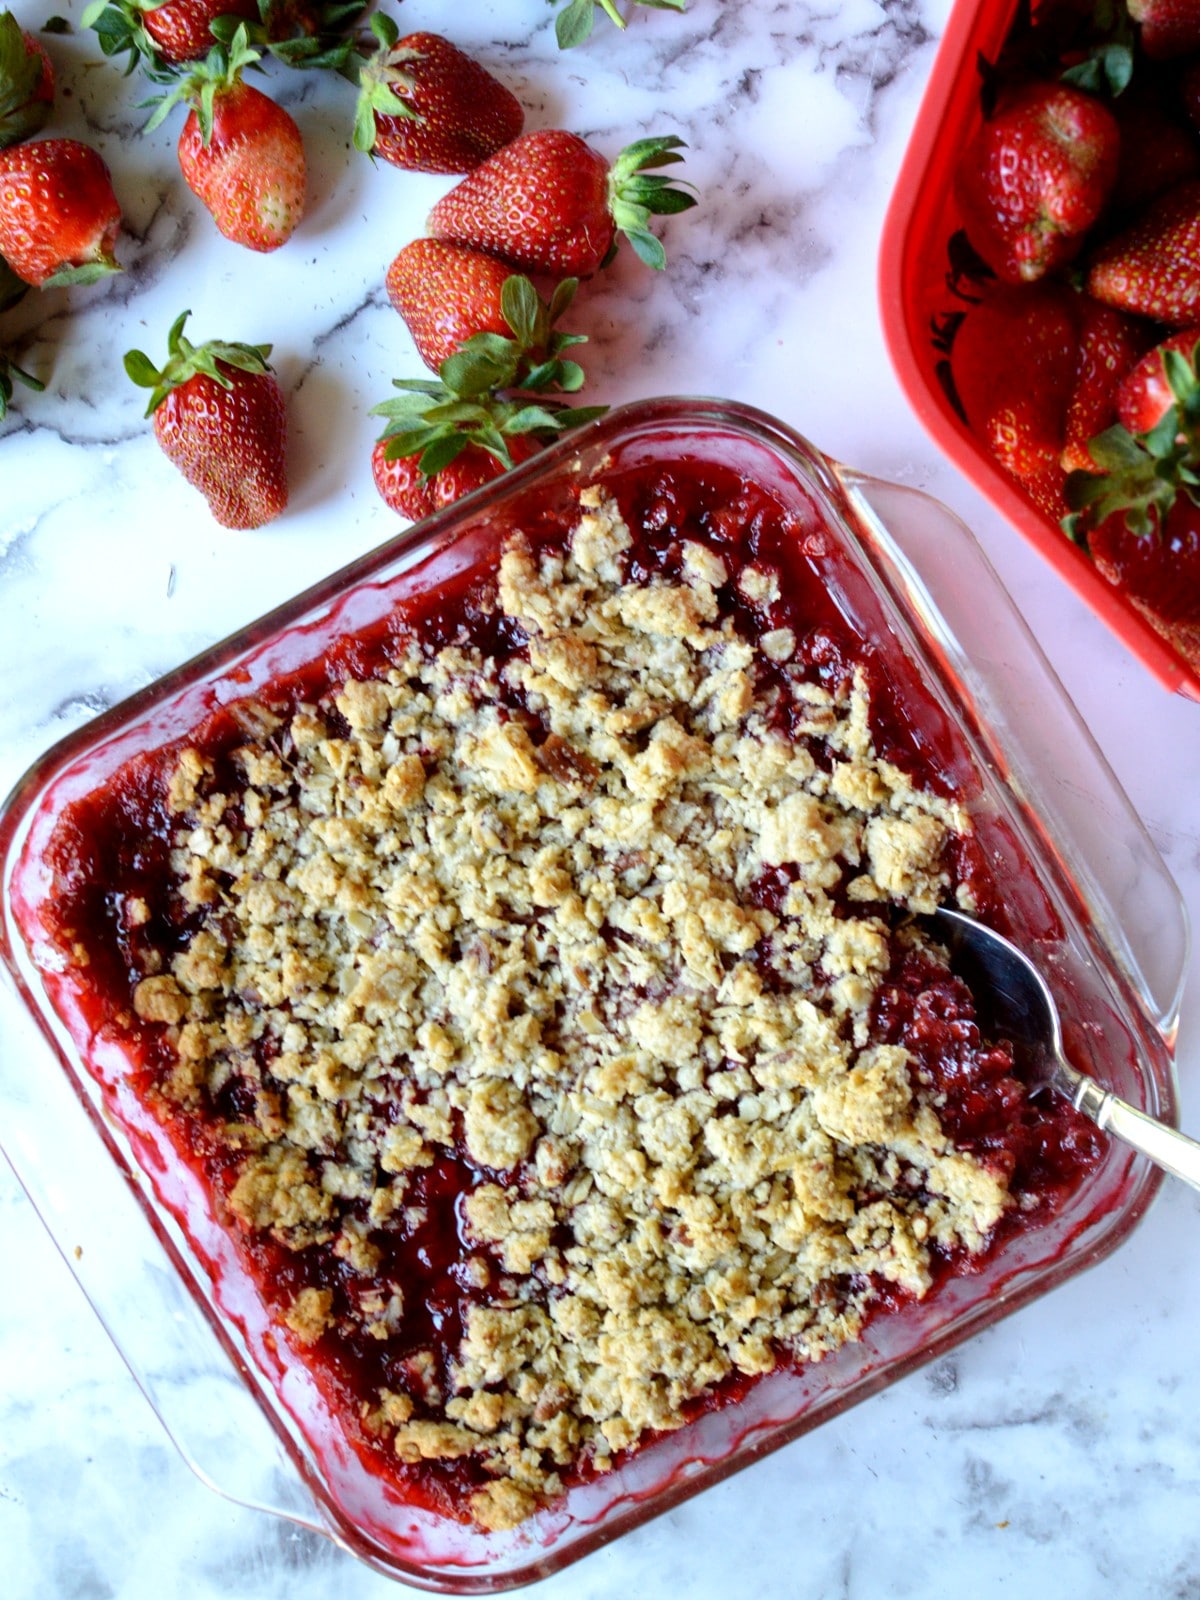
(1159, 573)
(219, 416)
(165, 35)
(26, 83)
(59, 218)
(441, 436)
(1110, 345)
(1168, 27)
(1164, 378)
(1137, 512)
(411, 494)
(239, 152)
(550, 203)
(448, 295)
(1158, 149)
(1013, 364)
(1036, 177)
(426, 106)
(574, 22)
(1153, 268)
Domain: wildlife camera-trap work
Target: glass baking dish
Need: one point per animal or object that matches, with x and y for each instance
(918, 302)
(1099, 910)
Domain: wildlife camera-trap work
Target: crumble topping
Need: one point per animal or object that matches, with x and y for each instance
(512, 915)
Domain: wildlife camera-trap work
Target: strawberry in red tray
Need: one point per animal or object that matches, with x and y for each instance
(1153, 268)
(550, 203)
(1168, 28)
(1110, 345)
(219, 416)
(26, 83)
(425, 105)
(448, 294)
(240, 153)
(1138, 513)
(1036, 178)
(1013, 363)
(59, 217)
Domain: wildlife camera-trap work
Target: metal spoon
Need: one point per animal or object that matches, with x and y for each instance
(1008, 985)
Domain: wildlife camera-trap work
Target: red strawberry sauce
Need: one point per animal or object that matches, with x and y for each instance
(114, 844)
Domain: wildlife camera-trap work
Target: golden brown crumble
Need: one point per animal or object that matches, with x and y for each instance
(531, 938)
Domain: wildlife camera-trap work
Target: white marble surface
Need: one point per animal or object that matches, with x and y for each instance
(1060, 1452)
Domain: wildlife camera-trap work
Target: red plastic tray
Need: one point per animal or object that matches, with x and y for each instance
(915, 294)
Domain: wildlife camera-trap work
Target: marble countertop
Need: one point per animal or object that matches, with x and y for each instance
(1061, 1449)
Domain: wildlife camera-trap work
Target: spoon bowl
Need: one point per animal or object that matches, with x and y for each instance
(1014, 1002)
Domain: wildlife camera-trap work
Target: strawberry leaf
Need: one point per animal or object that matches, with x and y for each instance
(21, 112)
(573, 25)
(634, 194)
(185, 360)
(9, 371)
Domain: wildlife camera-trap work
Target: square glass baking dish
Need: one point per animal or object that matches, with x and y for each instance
(1097, 908)
(917, 292)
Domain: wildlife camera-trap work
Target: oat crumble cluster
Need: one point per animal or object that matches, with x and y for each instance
(508, 912)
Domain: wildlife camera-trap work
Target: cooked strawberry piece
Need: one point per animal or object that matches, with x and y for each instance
(1153, 268)
(59, 217)
(426, 105)
(1036, 177)
(219, 416)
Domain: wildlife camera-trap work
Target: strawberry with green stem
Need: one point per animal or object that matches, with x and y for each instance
(59, 217)
(164, 35)
(573, 24)
(448, 294)
(481, 416)
(425, 105)
(550, 203)
(1036, 177)
(1152, 269)
(219, 417)
(26, 83)
(240, 153)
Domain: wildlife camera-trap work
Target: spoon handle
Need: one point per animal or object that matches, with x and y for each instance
(1165, 1146)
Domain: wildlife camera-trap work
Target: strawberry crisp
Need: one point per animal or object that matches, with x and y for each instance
(538, 991)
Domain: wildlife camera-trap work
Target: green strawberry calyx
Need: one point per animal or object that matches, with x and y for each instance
(532, 358)
(383, 79)
(185, 360)
(10, 372)
(1142, 475)
(219, 71)
(483, 393)
(21, 112)
(573, 24)
(635, 194)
